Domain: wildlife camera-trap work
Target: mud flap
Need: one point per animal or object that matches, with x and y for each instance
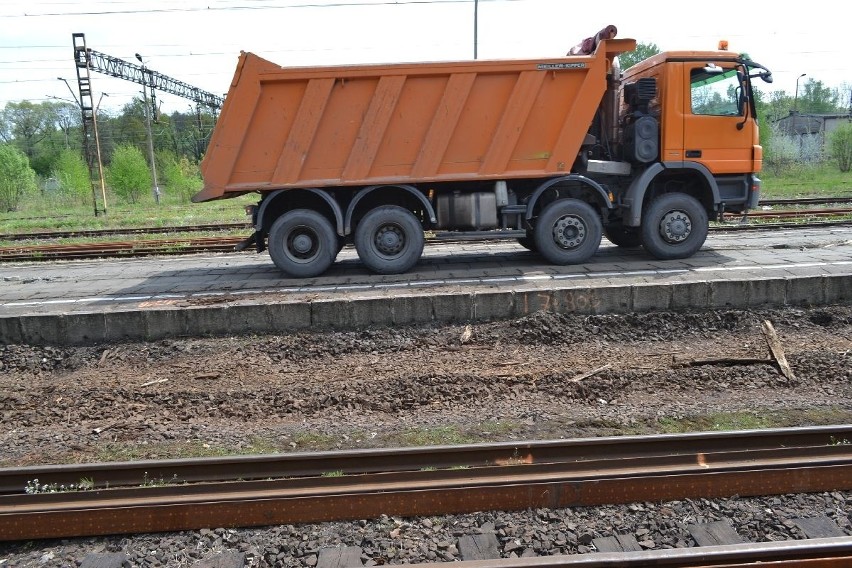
(251, 240)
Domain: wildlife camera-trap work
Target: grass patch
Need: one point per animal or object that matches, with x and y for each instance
(118, 452)
(723, 421)
(46, 215)
(435, 436)
(820, 180)
(314, 441)
(452, 435)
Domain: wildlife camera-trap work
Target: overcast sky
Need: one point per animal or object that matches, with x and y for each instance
(198, 41)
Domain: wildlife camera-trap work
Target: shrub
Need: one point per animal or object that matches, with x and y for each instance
(181, 176)
(128, 174)
(840, 146)
(72, 173)
(17, 178)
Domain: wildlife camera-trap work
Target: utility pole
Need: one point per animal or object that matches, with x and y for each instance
(796, 97)
(91, 137)
(475, 27)
(156, 186)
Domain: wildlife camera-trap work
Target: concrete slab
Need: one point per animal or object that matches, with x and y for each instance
(152, 298)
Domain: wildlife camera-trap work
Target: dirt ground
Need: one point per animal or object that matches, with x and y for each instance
(540, 377)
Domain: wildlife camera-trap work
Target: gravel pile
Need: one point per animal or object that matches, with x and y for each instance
(393, 541)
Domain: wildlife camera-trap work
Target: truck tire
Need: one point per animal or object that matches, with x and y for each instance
(302, 243)
(528, 242)
(621, 236)
(674, 226)
(568, 231)
(389, 240)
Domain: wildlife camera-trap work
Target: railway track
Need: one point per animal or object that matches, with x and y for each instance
(208, 227)
(179, 246)
(330, 486)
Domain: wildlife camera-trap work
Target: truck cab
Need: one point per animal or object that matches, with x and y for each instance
(708, 130)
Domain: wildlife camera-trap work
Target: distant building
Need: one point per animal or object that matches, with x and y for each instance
(810, 131)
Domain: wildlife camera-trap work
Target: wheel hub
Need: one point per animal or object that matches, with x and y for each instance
(302, 243)
(390, 240)
(675, 226)
(569, 232)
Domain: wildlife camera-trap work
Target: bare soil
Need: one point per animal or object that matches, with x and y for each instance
(436, 384)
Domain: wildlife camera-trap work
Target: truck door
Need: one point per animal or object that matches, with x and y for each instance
(718, 127)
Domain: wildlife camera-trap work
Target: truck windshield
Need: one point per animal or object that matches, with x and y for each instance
(716, 91)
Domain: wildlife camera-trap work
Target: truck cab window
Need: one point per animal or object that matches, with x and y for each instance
(716, 91)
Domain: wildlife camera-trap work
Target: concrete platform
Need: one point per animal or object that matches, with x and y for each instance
(88, 302)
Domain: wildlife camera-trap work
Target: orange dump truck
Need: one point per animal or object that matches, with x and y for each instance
(554, 152)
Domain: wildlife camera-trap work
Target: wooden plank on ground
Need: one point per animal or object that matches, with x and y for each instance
(777, 350)
(617, 543)
(714, 534)
(818, 527)
(340, 557)
(479, 547)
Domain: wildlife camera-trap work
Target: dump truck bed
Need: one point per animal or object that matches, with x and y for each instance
(402, 123)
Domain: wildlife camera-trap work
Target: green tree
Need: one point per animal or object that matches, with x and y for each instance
(128, 174)
(840, 146)
(17, 178)
(642, 52)
(33, 129)
(72, 173)
(181, 176)
(816, 98)
(69, 121)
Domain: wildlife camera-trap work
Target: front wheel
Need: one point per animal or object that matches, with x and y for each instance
(389, 240)
(568, 231)
(674, 226)
(302, 243)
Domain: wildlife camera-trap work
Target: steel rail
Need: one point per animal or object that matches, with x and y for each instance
(46, 235)
(805, 201)
(120, 249)
(355, 462)
(409, 493)
(834, 212)
(833, 552)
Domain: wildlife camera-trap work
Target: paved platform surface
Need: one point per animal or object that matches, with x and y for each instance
(150, 298)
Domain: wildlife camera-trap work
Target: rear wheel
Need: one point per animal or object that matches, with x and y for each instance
(674, 226)
(389, 240)
(568, 231)
(302, 243)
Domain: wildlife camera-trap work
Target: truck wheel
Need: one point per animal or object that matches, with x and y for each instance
(621, 236)
(389, 240)
(568, 231)
(302, 243)
(674, 226)
(528, 242)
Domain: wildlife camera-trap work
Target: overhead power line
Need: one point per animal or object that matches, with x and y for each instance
(249, 7)
(115, 67)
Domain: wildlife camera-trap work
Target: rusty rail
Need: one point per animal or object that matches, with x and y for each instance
(608, 472)
(816, 553)
(354, 462)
